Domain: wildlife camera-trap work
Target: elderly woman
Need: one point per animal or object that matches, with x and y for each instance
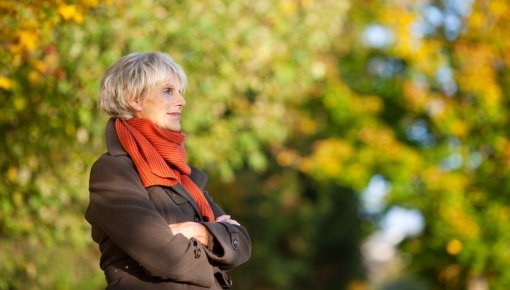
(156, 226)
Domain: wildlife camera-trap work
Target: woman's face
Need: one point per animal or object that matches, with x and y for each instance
(162, 105)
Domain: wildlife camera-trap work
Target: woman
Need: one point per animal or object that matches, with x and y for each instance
(155, 225)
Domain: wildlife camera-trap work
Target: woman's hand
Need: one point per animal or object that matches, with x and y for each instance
(192, 230)
(226, 218)
(197, 230)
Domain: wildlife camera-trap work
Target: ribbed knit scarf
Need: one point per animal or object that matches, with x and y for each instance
(160, 157)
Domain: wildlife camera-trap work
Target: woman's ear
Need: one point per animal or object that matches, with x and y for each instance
(135, 104)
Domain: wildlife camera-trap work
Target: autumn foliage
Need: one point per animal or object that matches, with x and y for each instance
(309, 99)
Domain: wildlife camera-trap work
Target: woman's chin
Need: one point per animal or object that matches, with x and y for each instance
(173, 127)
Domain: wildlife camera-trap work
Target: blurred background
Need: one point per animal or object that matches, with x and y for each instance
(364, 144)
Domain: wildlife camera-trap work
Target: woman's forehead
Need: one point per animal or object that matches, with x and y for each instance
(169, 80)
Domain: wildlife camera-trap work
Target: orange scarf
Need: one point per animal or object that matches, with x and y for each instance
(160, 157)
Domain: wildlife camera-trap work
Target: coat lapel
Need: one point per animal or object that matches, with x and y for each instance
(200, 179)
(179, 189)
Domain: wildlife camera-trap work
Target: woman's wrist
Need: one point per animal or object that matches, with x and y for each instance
(192, 230)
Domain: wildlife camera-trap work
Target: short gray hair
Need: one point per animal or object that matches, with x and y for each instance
(132, 76)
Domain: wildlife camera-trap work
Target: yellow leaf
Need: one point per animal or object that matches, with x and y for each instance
(459, 128)
(34, 77)
(307, 126)
(28, 39)
(12, 173)
(498, 8)
(71, 12)
(287, 157)
(454, 247)
(90, 3)
(20, 104)
(328, 157)
(289, 8)
(5, 83)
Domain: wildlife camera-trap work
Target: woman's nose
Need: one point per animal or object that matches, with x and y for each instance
(181, 101)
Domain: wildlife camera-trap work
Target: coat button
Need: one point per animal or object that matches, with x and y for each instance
(198, 253)
(235, 244)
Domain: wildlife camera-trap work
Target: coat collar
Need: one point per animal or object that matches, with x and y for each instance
(112, 141)
(115, 148)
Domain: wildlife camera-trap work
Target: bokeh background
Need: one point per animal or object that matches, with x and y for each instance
(364, 144)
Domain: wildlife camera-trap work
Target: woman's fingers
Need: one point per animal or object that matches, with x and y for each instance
(223, 218)
(226, 218)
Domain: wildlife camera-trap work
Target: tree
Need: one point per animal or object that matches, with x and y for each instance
(248, 63)
(427, 110)
(299, 104)
(47, 126)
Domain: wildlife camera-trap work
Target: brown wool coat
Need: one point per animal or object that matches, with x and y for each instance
(130, 224)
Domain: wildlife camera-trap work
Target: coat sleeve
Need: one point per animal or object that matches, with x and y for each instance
(120, 206)
(231, 245)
